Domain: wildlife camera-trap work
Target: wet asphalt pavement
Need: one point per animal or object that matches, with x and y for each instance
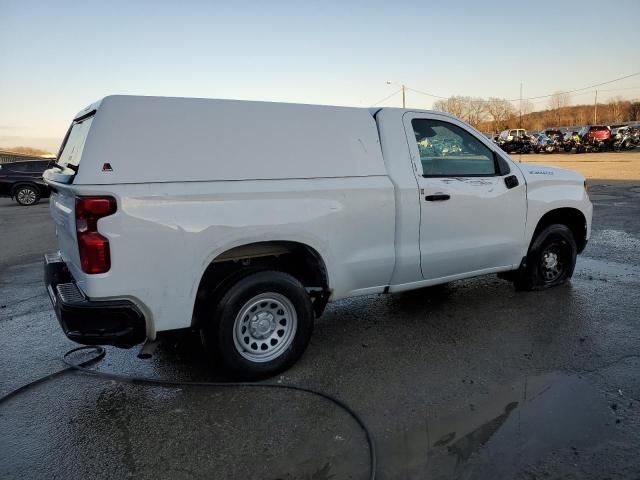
(470, 380)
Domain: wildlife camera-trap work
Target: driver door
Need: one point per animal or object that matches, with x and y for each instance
(472, 202)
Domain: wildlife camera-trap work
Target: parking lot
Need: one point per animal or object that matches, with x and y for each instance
(469, 380)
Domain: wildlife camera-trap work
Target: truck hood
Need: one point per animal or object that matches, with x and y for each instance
(535, 174)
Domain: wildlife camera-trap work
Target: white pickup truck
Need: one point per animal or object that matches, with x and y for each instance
(243, 219)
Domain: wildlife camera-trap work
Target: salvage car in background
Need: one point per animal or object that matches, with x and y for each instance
(23, 181)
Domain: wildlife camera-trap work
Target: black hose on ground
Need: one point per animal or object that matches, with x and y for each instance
(100, 353)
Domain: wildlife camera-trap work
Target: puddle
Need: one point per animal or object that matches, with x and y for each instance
(512, 427)
(594, 269)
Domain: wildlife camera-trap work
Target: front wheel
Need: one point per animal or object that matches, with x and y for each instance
(27, 195)
(550, 261)
(261, 325)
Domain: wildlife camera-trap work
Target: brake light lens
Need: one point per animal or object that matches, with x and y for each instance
(95, 256)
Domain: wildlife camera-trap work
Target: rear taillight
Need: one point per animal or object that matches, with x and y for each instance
(94, 248)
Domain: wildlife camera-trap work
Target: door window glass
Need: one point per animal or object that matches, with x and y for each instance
(447, 150)
(37, 167)
(17, 167)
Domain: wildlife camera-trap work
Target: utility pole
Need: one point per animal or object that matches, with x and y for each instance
(520, 104)
(402, 88)
(595, 109)
(520, 155)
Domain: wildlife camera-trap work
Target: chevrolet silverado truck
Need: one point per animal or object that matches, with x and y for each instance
(241, 220)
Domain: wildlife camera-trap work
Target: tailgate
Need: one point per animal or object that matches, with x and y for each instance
(63, 196)
(62, 206)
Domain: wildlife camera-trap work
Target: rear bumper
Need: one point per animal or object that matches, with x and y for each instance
(112, 322)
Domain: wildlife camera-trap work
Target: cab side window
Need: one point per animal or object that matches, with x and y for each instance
(447, 150)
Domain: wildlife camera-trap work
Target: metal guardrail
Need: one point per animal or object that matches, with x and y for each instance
(10, 157)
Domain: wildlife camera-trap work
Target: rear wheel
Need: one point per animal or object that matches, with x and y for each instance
(27, 195)
(550, 261)
(261, 325)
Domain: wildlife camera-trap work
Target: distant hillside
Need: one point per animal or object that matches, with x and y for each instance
(27, 151)
(607, 114)
(496, 114)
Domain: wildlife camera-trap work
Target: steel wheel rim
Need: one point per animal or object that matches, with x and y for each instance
(27, 196)
(553, 261)
(265, 327)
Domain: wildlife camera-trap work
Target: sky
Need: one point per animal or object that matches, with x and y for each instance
(56, 57)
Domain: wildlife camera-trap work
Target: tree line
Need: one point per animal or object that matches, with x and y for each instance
(496, 114)
(26, 150)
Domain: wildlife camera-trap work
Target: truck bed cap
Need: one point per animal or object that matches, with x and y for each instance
(161, 139)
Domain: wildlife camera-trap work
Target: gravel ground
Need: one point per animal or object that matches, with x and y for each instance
(469, 380)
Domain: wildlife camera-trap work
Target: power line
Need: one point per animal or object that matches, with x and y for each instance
(426, 93)
(618, 89)
(539, 96)
(580, 89)
(590, 92)
(386, 98)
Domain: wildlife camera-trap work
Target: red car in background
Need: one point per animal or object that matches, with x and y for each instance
(596, 138)
(600, 133)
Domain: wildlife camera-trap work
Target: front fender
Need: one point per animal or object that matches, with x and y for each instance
(551, 188)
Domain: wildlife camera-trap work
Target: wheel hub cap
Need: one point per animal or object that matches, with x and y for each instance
(553, 261)
(550, 260)
(265, 327)
(26, 196)
(262, 324)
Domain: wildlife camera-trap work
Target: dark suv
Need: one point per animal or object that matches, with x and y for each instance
(23, 181)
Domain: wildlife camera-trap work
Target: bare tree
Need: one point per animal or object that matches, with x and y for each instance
(557, 104)
(476, 111)
(470, 109)
(559, 100)
(500, 111)
(527, 107)
(633, 111)
(453, 105)
(616, 109)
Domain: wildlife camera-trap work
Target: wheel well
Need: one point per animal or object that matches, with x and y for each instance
(573, 218)
(296, 259)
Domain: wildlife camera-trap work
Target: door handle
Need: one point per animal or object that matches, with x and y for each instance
(437, 198)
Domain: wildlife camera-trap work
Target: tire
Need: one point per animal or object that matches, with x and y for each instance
(26, 195)
(550, 261)
(260, 326)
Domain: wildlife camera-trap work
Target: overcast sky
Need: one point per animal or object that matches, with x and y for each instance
(59, 56)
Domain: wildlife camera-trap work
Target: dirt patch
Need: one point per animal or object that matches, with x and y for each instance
(602, 166)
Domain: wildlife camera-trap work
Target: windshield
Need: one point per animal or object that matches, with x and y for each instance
(72, 149)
